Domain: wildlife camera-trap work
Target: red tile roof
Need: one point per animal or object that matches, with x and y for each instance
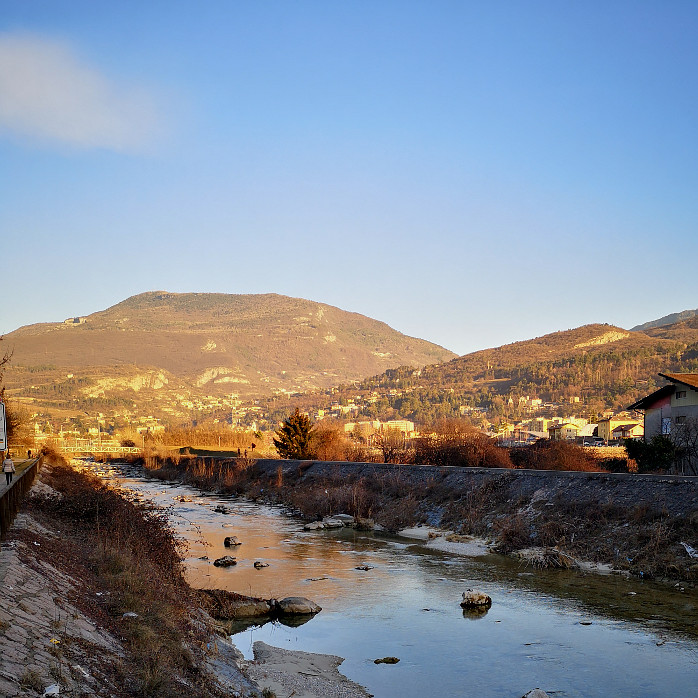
(689, 379)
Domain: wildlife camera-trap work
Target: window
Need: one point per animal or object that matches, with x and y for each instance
(666, 425)
(681, 420)
(680, 394)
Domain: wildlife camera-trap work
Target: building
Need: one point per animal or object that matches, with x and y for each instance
(404, 426)
(628, 431)
(563, 432)
(671, 406)
(608, 424)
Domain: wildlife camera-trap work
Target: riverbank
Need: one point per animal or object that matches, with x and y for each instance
(95, 603)
(635, 524)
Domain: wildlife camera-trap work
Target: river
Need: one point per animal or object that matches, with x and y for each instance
(569, 633)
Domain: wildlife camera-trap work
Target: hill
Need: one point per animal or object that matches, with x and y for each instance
(584, 370)
(161, 350)
(666, 320)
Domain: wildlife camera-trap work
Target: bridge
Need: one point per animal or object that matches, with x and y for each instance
(99, 448)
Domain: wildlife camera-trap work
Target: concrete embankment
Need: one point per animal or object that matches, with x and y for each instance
(636, 523)
(89, 608)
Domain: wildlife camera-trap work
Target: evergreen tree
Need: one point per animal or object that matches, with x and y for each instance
(294, 437)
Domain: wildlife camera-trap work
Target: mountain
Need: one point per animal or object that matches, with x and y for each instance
(666, 320)
(166, 350)
(583, 370)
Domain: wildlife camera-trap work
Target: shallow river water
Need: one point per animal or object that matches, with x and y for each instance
(569, 633)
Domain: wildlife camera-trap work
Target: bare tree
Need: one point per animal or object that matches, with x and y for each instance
(3, 365)
(393, 443)
(685, 437)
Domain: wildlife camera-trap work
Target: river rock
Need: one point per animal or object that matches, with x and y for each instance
(473, 599)
(346, 519)
(297, 605)
(231, 541)
(386, 660)
(259, 565)
(227, 605)
(220, 509)
(314, 526)
(332, 522)
(536, 693)
(225, 561)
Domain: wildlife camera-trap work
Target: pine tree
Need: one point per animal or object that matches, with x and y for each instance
(294, 437)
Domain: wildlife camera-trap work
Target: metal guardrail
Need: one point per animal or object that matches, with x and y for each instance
(11, 498)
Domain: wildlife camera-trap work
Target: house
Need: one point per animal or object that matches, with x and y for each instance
(563, 432)
(668, 408)
(628, 431)
(608, 424)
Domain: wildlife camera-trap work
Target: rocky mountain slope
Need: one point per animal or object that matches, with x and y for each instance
(204, 344)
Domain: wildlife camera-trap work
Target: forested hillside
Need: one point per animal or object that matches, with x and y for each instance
(602, 365)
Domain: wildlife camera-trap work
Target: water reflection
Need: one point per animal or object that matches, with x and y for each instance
(569, 633)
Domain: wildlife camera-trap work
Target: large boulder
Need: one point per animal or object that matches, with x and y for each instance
(296, 605)
(346, 519)
(332, 522)
(231, 541)
(227, 605)
(536, 693)
(225, 561)
(314, 526)
(475, 599)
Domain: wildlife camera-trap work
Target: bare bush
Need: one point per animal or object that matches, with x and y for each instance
(554, 455)
(454, 442)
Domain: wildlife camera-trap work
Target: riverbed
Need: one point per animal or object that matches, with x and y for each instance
(569, 633)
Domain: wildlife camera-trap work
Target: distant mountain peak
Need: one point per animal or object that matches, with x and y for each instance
(666, 320)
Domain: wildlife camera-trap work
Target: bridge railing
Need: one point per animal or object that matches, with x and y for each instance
(11, 498)
(95, 448)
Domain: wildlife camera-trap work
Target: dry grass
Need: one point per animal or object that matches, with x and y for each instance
(129, 553)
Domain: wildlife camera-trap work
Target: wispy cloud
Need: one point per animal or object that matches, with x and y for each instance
(48, 93)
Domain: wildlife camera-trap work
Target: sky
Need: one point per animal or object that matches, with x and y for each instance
(471, 173)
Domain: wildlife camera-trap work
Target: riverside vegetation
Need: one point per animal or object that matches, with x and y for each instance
(634, 524)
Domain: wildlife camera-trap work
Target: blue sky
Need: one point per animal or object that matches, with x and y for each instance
(472, 173)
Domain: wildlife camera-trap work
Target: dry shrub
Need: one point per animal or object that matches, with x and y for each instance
(456, 443)
(554, 455)
(513, 533)
(328, 442)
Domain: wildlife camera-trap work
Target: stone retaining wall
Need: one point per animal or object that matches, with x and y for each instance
(677, 494)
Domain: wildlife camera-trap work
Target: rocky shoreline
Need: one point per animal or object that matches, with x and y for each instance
(65, 630)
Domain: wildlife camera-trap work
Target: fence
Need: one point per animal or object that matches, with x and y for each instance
(12, 497)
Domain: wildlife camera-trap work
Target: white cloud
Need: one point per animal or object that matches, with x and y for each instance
(48, 93)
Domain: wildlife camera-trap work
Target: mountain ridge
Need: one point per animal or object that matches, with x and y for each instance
(206, 344)
(670, 319)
